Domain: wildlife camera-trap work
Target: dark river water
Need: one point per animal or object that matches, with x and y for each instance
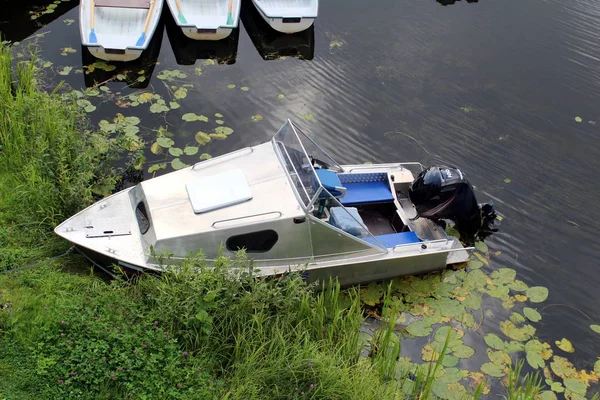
(493, 87)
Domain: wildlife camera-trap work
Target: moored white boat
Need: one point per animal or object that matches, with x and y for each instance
(288, 16)
(291, 207)
(118, 30)
(206, 19)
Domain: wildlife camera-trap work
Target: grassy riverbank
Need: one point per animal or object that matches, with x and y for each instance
(67, 333)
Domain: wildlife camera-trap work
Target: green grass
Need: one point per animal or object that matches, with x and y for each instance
(196, 333)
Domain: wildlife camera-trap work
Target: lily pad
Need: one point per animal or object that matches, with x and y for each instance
(190, 150)
(535, 360)
(482, 247)
(158, 108)
(562, 367)
(492, 369)
(494, 341)
(578, 119)
(532, 314)
(281, 96)
(174, 105)
(565, 345)
(224, 130)
(165, 142)
(65, 71)
(575, 386)
(419, 328)
(519, 334)
(155, 148)
(218, 115)
(516, 318)
(372, 294)
(205, 156)
(231, 86)
(518, 286)
(547, 395)
(219, 121)
(257, 117)
(175, 151)
(504, 275)
(463, 351)
(180, 93)
(156, 167)
(176, 164)
(245, 88)
(202, 138)
(507, 180)
(475, 264)
(595, 328)
(537, 294)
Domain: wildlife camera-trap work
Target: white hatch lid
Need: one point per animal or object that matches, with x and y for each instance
(218, 191)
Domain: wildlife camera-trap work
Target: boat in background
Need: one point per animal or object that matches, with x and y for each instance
(291, 207)
(118, 30)
(187, 51)
(206, 19)
(273, 45)
(288, 16)
(137, 73)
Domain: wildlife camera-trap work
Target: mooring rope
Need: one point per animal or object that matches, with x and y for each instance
(35, 264)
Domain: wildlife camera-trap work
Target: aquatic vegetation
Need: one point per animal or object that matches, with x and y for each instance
(578, 119)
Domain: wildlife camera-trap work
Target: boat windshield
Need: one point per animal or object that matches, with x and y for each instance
(300, 156)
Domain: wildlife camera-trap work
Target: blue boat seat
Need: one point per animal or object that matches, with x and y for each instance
(330, 181)
(348, 220)
(366, 188)
(394, 239)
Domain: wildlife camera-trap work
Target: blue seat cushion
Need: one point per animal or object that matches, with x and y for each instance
(331, 182)
(367, 192)
(394, 239)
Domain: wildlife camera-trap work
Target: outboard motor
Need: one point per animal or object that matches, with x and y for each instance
(441, 192)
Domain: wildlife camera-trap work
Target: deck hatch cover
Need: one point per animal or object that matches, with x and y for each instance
(218, 191)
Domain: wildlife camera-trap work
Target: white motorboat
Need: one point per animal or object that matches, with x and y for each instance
(291, 207)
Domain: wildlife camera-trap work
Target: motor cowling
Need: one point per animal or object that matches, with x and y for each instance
(442, 192)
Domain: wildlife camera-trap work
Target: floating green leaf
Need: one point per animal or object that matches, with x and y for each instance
(190, 117)
(281, 96)
(218, 115)
(180, 93)
(65, 71)
(335, 43)
(507, 180)
(92, 92)
(205, 156)
(575, 386)
(198, 71)
(473, 301)
(516, 318)
(190, 150)
(565, 345)
(513, 346)
(482, 247)
(231, 86)
(578, 119)
(494, 341)
(463, 351)
(102, 65)
(223, 130)
(556, 387)
(518, 286)
(475, 264)
(202, 138)
(47, 64)
(67, 50)
(170, 75)
(595, 328)
(156, 167)
(547, 395)
(219, 121)
(165, 142)
(492, 369)
(245, 88)
(68, 21)
(504, 275)
(155, 148)
(130, 130)
(537, 294)
(158, 108)
(174, 105)
(535, 359)
(176, 164)
(498, 357)
(532, 314)
(175, 151)
(520, 334)
(218, 136)
(307, 116)
(257, 117)
(371, 294)
(419, 328)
